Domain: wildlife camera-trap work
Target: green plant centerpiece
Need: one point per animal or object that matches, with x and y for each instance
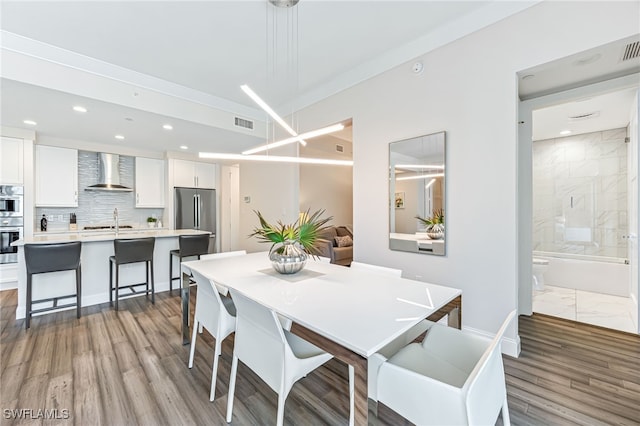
(291, 244)
(434, 225)
(151, 222)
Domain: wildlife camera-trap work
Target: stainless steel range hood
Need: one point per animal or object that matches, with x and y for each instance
(109, 175)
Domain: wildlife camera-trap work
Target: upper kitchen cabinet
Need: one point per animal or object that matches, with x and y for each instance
(56, 177)
(192, 174)
(149, 183)
(11, 161)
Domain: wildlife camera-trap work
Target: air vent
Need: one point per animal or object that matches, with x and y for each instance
(631, 51)
(585, 116)
(339, 148)
(244, 123)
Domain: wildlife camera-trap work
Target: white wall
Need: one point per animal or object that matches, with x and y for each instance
(329, 188)
(273, 190)
(469, 89)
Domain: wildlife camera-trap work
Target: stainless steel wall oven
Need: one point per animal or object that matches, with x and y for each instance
(11, 221)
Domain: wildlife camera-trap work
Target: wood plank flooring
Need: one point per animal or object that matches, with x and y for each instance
(572, 373)
(129, 367)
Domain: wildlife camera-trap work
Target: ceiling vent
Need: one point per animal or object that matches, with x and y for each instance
(244, 123)
(339, 148)
(585, 116)
(631, 51)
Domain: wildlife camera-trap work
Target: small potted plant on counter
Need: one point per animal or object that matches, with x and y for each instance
(151, 222)
(434, 225)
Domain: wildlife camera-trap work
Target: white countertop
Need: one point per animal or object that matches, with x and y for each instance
(103, 235)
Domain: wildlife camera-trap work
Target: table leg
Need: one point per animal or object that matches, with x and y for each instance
(454, 311)
(185, 309)
(359, 364)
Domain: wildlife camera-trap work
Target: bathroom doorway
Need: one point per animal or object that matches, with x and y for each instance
(578, 191)
(582, 159)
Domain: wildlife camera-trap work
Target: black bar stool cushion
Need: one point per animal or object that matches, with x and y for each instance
(133, 250)
(193, 245)
(42, 258)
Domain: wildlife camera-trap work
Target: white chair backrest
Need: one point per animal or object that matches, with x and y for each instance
(223, 254)
(486, 379)
(375, 268)
(209, 301)
(259, 342)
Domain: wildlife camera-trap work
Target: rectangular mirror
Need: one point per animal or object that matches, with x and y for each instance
(417, 194)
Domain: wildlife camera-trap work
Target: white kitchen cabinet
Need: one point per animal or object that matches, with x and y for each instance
(149, 183)
(11, 161)
(56, 177)
(193, 174)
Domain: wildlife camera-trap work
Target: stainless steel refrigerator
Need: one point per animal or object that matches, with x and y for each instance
(196, 209)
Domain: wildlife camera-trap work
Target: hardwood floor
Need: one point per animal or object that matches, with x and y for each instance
(573, 373)
(129, 367)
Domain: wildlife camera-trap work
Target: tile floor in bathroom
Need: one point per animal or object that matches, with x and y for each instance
(584, 306)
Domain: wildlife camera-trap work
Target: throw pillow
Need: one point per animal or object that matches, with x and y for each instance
(345, 241)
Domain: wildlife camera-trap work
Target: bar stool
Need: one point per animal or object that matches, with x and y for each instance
(190, 245)
(44, 258)
(133, 250)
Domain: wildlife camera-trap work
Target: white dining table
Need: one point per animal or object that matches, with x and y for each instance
(349, 313)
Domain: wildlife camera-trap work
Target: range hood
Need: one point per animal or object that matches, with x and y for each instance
(109, 175)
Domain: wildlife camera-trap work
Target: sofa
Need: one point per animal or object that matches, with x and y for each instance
(337, 249)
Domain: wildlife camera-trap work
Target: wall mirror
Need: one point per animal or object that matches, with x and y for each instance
(417, 194)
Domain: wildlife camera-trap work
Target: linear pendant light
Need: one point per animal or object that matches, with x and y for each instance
(246, 89)
(274, 158)
(307, 135)
(432, 175)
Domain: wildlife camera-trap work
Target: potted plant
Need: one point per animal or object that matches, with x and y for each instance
(151, 222)
(291, 243)
(434, 225)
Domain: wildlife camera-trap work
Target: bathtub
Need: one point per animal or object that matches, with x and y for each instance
(589, 273)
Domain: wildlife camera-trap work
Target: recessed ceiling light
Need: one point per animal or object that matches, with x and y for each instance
(565, 132)
(167, 126)
(30, 122)
(128, 119)
(184, 147)
(79, 108)
(119, 137)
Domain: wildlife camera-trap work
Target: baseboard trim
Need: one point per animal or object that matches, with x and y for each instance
(509, 346)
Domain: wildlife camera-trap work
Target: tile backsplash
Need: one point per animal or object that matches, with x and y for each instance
(580, 194)
(95, 208)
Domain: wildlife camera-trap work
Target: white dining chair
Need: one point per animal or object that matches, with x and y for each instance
(375, 268)
(214, 312)
(451, 378)
(279, 357)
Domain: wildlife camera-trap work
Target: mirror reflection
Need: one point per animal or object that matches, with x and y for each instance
(417, 194)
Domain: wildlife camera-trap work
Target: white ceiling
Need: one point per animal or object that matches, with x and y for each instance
(58, 54)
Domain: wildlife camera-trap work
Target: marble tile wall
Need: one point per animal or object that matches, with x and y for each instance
(96, 207)
(580, 194)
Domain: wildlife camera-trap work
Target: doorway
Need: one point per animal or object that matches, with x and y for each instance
(582, 169)
(569, 225)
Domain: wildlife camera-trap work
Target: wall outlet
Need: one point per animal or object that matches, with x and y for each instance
(50, 218)
(60, 219)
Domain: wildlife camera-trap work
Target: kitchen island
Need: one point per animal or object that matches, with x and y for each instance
(97, 246)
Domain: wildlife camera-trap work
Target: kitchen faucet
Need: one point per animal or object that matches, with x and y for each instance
(115, 218)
